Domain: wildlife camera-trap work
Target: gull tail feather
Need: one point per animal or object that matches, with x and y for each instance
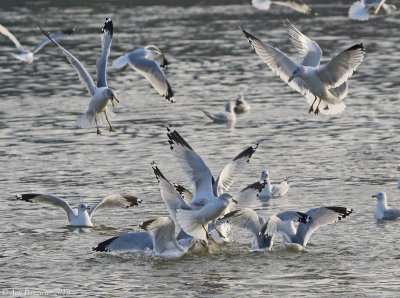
(86, 121)
(191, 224)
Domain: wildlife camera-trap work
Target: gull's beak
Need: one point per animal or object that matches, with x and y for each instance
(290, 79)
(374, 196)
(87, 208)
(233, 200)
(112, 100)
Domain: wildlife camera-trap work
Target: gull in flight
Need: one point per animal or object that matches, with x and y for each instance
(382, 210)
(297, 237)
(249, 220)
(101, 95)
(27, 56)
(228, 116)
(328, 82)
(359, 11)
(297, 5)
(81, 217)
(241, 105)
(273, 190)
(148, 61)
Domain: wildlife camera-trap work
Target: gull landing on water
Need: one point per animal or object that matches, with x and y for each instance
(81, 217)
(27, 56)
(147, 61)
(297, 5)
(101, 95)
(328, 82)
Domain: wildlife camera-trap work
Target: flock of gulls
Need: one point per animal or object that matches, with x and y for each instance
(205, 217)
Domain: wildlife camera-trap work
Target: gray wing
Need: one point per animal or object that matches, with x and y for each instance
(151, 70)
(245, 218)
(250, 193)
(135, 241)
(232, 169)
(170, 195)
(115, 201)
(391, 213)
(193, 166)
(319, 217)
(309, 51)
(296, 5)
(275, 224)
(49, 200)
(106, 39)
(279, 63)
(342, 66)
(5, 32)
(55, 36)
(184, 192)
(83, 75)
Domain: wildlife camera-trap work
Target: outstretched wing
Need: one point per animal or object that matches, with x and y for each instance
(115, 201)
(275, 224)
(193, 166)
(319, 217)
(250, 193)
(106, 39)
(309, 51)
(55, 36)
(342, 66)
(83, 75)
(49, 200)
(184, 192)
(5, 32)
(246, 219)
(296, 5)
(232, 169)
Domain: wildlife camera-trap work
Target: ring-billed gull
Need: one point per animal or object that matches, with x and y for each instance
(382, 210)
(297, 5)
(249, 220)
(277, 190)
(359, 10)
(241, 105)
(308, 77)
(27, 56)
(228, 116)
(81, 216)
(101, 95)
(147, 61)
(297, 238)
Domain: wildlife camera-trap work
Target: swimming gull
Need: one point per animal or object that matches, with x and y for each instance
(147, 61)
(307, 76)
(27, 56)
(382, 210)
(277, 190)
(81, 217)
(101, 94)
(249, 220)
(228, 116)
(241, 105)
(297, 238)
(359, 10)
(297, 5)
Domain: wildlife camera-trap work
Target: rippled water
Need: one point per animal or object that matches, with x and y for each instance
(333, 160)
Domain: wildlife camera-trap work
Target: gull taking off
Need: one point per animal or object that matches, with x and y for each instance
(147, 61)
(297, 5)
(101, 95)
(326, 83)
(382, 210)
(81, 217)
(359, 11)
(27, 56)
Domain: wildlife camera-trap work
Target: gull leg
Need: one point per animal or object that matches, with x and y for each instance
(207, 235)
(111, 129)
(219, 233)
(317, 109)
(98, 130)
(311, 107)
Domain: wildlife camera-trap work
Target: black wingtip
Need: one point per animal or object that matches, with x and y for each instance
(248, 152)
(103, 246)
(356, 47)
(108, 27)
(157, 172)
(132, 200)
(144, 225)
(304, 217)
(342, 212)
(170, 94)
(176, 138)
(27, 197)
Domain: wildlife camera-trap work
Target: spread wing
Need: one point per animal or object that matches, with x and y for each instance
(246, 219)
(184, 192)
(106, 39)
(250, 193)
(83, 75)
(115, 201)
(55, 36)
(5, 32)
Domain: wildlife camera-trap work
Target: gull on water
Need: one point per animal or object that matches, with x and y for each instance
(228, 116)
(297, 5)
(359, 10)
(101, 95)
(298, 237)
(147, 61)
(273, 190)
(241, 105)
(382, 210)
(326, 83)
(81, 217)
(248, 219)
(27, 56)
